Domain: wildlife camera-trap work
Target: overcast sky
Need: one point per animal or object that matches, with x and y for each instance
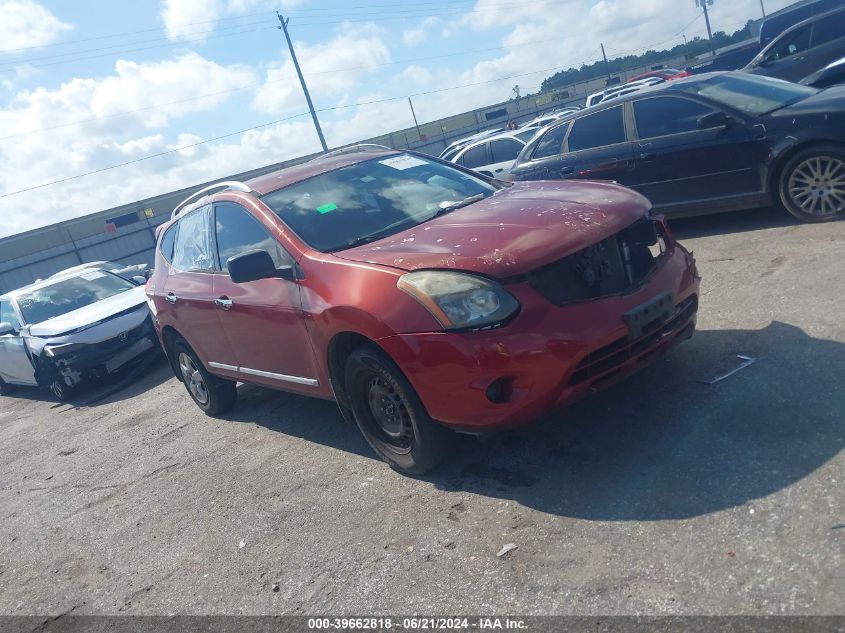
(88, 84)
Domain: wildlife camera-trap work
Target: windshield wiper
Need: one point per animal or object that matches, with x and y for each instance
(451, 206)
(370, 237)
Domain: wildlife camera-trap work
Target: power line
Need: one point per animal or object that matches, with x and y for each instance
(169, 42)
(131, 50)
(125, 33)
(269, 82)
(264, 125)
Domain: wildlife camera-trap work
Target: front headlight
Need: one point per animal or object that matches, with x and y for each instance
(58, 350)
(459, 300)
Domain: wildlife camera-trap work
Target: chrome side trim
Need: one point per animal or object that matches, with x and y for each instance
(311, 382)
(223, 366)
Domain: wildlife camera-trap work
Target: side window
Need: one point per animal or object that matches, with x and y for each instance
(503, 150)
(551, 143)
(475, 157)
(597, 130)
(192, 250)
(238, 231)
(167, 242)
(830, 29)
(660, 116)
(7, 314)
(791, 44)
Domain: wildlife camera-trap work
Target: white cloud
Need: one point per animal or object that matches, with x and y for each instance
(418, 34)
(64, 151)
(27, 24)
(330, 69)
(195, 20)
(190, 20)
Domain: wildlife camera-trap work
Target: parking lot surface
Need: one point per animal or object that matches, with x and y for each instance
(662, 495)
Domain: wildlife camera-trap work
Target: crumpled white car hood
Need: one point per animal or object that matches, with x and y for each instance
(93, 314)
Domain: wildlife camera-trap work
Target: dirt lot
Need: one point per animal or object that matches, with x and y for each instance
(662, 495)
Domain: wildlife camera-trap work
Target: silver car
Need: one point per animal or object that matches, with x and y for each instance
(76, 327)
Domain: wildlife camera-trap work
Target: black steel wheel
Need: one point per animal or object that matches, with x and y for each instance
(391, 416)
(812, 184)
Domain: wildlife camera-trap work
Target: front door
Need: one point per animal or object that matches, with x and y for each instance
(596, 148)
(263, 319)
(677, 164)
(186, 301)
(15, 365)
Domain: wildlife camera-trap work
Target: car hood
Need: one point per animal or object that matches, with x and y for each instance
(828, 101)
(91, 315)
(515, 230)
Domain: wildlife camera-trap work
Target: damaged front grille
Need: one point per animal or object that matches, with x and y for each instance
(624, 349)
(613, 266)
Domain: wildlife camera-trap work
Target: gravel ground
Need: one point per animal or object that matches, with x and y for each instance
(662, 495)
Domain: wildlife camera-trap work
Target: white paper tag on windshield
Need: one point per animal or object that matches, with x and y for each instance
(403, 162)
(94, 274)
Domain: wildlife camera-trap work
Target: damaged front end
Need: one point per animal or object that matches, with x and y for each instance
(65, 362)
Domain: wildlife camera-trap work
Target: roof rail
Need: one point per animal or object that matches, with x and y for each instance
(228, 184)
(360, 147)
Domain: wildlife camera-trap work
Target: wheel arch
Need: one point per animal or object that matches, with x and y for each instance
(786, 154)
(169, 334)
(341, 345)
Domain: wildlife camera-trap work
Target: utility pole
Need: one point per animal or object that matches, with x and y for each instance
(606, 65)
(414, 114)
(763, 9)
(284, 27)
(704, 4)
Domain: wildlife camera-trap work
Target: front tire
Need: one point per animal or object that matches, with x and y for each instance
(391, 416)
(812, 184)
(60, 389)
(211, 394)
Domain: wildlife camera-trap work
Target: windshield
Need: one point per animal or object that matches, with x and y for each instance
(375, 198)
(70, 294)
(752, 94)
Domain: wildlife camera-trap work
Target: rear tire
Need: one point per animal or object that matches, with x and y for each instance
(391, 416)
(812, 184)
(211, 394)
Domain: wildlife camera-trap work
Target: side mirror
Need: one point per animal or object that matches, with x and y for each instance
(714, 119)
(7, 328)
(254, 265)
(139, 279)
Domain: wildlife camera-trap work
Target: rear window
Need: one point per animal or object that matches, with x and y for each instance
(829, 29)
(551, 143)
(70, 294)
(597, 130)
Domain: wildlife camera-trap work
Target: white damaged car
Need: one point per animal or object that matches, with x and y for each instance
(72, 328)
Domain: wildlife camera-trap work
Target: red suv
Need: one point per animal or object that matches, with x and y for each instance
(420, 296)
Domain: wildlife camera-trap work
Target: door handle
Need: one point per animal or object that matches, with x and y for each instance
(565, 171)
(170, 298)
(224, 303)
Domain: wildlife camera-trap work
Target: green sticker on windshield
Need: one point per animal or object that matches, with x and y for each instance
(325, 208)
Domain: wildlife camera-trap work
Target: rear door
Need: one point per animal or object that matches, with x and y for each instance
(263, 319)
(475, 157)
(503, 152)
(828, 42)
(789, 57)
(597, 148)
(677, 163)
(15, 365)
(188, 303)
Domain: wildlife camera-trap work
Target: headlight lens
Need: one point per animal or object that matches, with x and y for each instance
(459, 300)
(57, 350)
